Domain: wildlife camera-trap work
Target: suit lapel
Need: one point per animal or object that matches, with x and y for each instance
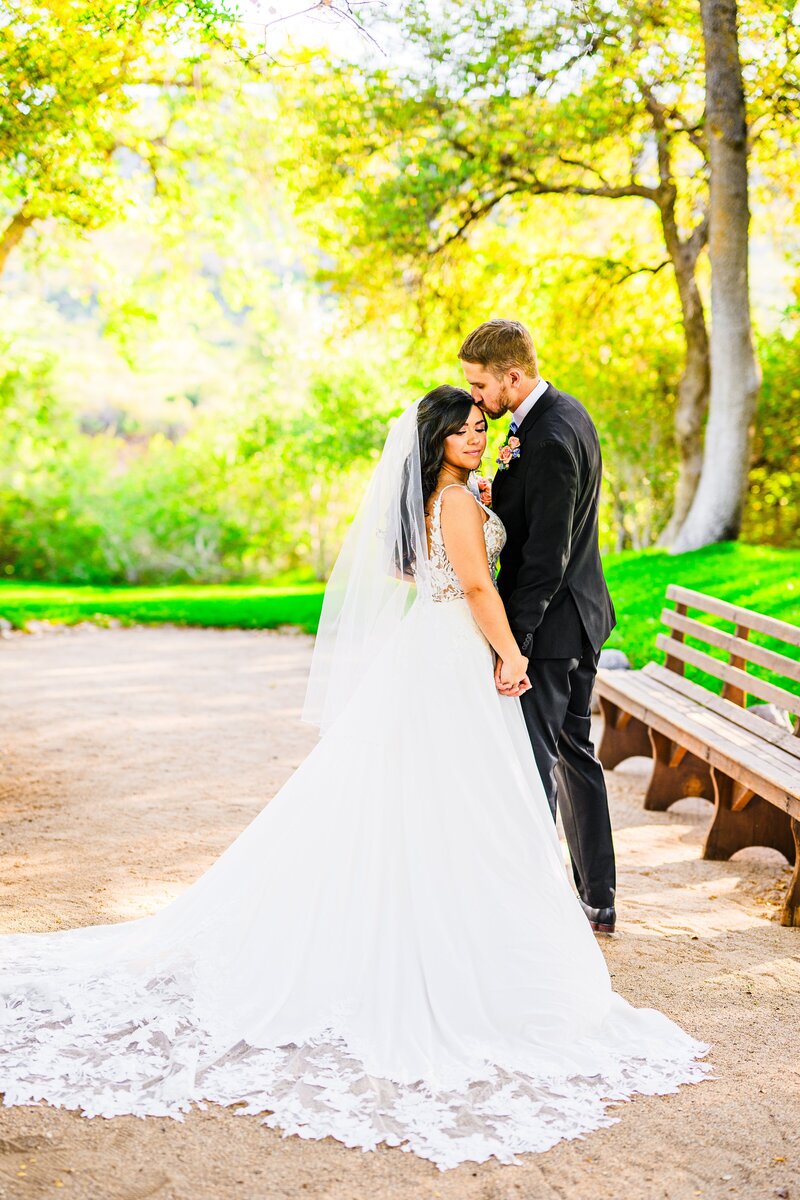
(545, 402)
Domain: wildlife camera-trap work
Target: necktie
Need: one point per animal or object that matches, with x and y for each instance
(512, 429)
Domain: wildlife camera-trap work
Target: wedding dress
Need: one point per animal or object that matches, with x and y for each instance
(390, 952)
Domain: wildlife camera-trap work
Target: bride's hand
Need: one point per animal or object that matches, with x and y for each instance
(511, 677)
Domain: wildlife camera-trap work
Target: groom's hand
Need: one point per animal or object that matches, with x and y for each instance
(506, 689)
(523, 686)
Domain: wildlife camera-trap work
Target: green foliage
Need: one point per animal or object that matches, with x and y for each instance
(604, 331)
(492, 108)
(94, 99)
(492, 104)
(489, 107)
(47, 515)
(772, 513)
(259, 490)
(194, 387)
(268, 483)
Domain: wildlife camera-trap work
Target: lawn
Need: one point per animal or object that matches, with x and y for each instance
(219, 605)
(757, 577)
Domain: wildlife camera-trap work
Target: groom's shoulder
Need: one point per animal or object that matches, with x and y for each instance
(566, 403)
(565, 417)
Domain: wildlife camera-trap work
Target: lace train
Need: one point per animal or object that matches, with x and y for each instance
(113, 1045)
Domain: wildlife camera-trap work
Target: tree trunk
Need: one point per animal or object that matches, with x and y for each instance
(694, 382)
(716, 512)
(12, 234)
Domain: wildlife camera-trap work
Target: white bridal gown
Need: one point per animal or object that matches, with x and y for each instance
(390, 952)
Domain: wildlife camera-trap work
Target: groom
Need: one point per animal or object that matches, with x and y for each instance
(551, 581)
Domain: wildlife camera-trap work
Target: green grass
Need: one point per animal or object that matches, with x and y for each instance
(225, 606)
(759, 577)
(762, 578)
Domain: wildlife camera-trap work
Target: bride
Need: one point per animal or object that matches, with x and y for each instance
(391, 951)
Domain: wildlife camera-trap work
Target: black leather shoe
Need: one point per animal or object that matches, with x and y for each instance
(602, 920)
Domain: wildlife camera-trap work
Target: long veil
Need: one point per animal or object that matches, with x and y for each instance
(381, 572)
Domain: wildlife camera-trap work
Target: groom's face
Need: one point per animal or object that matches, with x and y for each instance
(489, 393)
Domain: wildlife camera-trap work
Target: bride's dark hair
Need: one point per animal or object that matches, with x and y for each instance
(441, 413)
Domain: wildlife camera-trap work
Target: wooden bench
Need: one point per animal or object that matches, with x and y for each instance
(704, 744)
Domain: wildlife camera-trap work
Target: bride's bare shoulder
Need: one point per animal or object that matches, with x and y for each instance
(460, 508)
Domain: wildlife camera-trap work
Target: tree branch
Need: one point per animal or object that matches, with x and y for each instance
(154, 81)
(658, 114)
(698, 238)
(13, 232)
(538, 187)
(606, 191)
(662, 114)
(631, 271)
(148, 160)
(574, 162)
(474, 214)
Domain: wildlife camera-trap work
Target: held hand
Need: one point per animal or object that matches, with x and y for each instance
(511, 678)
(523, 686)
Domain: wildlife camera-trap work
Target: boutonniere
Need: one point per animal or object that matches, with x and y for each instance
(484, 490)
(508, 452)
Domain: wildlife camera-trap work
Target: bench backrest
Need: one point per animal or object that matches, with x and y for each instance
(737, 683)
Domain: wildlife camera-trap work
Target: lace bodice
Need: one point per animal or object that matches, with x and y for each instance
(444, 581)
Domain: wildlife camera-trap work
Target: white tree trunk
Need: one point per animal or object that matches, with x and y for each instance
(716, 511)
(693, 388)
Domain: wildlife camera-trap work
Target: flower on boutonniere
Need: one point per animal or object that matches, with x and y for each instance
(484, 490)
(509, 450)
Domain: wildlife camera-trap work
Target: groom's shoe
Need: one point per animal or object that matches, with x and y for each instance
(602, 920)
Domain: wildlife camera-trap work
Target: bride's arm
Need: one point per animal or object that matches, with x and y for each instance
(462, 531)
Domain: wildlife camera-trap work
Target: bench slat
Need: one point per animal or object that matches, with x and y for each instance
(704, 734)
(695, 730)
(741, 679)
(781, 630)
(789, 668)
(783, 741)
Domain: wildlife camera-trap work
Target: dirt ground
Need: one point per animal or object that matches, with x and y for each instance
(129, 758)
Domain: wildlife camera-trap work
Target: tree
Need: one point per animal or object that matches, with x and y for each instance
(716, 512)
(498, 104)
(74, 74)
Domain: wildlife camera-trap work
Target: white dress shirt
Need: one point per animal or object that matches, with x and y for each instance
(521, 411)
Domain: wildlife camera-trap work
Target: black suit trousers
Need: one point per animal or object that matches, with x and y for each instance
(557, 711)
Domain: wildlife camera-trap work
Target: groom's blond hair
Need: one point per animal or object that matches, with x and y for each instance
(500, 345)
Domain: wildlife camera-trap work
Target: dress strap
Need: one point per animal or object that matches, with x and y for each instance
(437, 507)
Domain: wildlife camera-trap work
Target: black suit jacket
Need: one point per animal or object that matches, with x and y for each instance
(551, 579)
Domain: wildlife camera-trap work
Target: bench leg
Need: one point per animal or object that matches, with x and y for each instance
(676, 773)
(790, 914)
(758, 823)
(623, 736)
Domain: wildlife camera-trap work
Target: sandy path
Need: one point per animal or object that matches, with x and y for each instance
(130, 758)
